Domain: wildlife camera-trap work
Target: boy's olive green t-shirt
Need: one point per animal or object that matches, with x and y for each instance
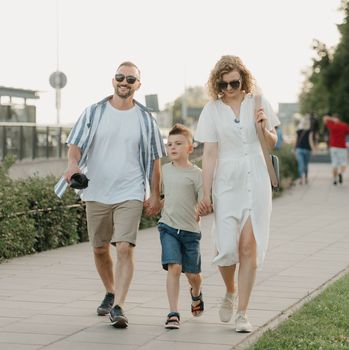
(182, 188)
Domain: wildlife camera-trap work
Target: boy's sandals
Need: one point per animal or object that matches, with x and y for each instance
(172, 321)
(198, 309)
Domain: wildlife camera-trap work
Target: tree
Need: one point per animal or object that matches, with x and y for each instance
(326, 85)
(195, 99)
(337, 76)
(315, 95)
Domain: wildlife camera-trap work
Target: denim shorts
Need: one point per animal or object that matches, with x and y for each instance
(180, 247)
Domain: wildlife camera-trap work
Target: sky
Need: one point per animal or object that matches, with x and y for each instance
(174, 43)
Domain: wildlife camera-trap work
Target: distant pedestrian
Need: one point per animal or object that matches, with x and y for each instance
(179, 228)
(338, 131)
(235, 173)
(304, 146)
(315, 127)
(117, 143)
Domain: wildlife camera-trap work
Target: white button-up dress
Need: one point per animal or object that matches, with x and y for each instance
(241, 185)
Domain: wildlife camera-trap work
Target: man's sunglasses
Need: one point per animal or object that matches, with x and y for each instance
(223, 85)
(129, 78)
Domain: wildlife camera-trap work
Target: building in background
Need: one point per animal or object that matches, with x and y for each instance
(14, 107)
(288, 115)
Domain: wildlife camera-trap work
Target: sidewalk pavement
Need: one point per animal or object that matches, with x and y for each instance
(49, 300)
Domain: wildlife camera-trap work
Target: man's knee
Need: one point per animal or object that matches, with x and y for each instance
(124, 250)
(100, 251)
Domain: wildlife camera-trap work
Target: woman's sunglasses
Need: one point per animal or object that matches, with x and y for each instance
(129, 78)
(223, 85)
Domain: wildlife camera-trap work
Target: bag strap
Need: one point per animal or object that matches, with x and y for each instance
(273, 178)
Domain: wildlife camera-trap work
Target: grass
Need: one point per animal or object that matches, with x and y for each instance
(322, 324)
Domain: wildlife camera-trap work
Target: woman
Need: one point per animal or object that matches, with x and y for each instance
(304, 146)
(234, 168)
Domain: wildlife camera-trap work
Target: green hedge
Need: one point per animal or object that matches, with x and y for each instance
(33, 218)
(288, 165)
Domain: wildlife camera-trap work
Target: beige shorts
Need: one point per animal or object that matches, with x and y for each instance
(112, 223)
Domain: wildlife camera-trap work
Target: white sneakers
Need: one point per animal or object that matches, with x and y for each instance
(227, 307)
(242, 325)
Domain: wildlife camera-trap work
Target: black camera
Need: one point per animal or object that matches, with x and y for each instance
(78, 181)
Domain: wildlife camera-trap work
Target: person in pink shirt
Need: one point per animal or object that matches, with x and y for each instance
(338, 131)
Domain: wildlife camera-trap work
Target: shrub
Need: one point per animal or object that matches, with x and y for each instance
(33, 218)
(288, 164)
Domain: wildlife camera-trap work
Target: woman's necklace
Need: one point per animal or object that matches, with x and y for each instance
(237, 115)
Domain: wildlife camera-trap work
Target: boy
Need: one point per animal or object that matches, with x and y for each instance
(179, 226)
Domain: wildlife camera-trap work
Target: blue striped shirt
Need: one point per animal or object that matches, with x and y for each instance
(83, 132)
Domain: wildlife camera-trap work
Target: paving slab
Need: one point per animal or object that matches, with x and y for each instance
(48, 300)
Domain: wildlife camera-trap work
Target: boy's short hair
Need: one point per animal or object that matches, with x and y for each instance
(180, 129)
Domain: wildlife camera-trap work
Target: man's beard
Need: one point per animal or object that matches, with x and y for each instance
(124, 94)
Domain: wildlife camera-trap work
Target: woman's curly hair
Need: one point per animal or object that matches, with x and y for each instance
(225, 65)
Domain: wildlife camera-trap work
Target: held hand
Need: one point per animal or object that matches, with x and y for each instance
(204, 207)
(152, 206)
(197, 217)
(261, 117)
(72, 169)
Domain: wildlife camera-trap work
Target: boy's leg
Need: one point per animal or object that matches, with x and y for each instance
(195, 281)
(192, 267)
(171, 260)
(172, 285)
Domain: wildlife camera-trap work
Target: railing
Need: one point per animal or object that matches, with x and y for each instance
(32, 141)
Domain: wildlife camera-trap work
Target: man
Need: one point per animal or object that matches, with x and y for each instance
(117, 144)
(338, 149)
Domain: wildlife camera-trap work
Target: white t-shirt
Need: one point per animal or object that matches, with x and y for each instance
(113, 164)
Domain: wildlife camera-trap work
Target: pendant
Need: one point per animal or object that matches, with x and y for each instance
(236, 120)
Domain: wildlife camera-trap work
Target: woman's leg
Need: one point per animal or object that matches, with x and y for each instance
(300, 164)
(306, 155)
(228, 274)
(248, 265)
(227, 307)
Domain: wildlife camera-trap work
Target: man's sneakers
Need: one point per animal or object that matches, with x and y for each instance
(242, 325)
(227, 307)
(106, 305)
(117, 317)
